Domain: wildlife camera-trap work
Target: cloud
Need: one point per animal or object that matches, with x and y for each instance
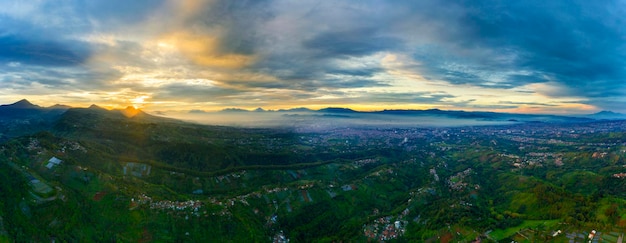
(113, 13)
(46, 80)
(195, 93)
(207, 51)
(350, 43)
(526, 103)
(301, 52)
(578, 44)
(42, 52)
(410, 98)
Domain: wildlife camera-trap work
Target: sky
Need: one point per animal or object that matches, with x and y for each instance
(558, 56)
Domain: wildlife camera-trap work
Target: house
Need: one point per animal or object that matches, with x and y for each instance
(54, 161)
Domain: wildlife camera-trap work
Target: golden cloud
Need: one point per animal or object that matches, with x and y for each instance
(204, 50)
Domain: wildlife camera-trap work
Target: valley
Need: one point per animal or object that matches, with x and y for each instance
(152, 179)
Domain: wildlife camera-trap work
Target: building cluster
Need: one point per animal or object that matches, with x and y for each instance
(33, 144)
(189, 205)
(193, 205)
(619, 175)
(280, 237)
(456, 182)
(362, 162)
(72, 146)
(385, 228)
(433, 172)
(595, 236)
(234, 175)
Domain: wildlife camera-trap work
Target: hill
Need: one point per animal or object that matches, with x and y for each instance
(23, 117)
(607, 115)
(125, 175)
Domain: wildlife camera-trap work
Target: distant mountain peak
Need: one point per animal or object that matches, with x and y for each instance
(259, 109)
(234, 110)
(59, 106)
(23, 104)
(130, 111)
(337, 110)
(23, 101)
(196, 111)
(299, 109)
(95, 107)
(607, 113)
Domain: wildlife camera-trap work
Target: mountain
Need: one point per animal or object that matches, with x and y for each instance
(59, 106)
(22, 104)
(196, 111)
(130, 112)
(607, 115)
(23, 117)
(300, 109)
(24, 108)
(234, 110)
(337, 110)
(96, 107)
(87, 120)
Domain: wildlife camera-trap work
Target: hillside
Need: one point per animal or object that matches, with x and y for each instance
(23, 117)
(151, 179)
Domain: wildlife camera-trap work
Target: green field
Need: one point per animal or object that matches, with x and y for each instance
(501, 234)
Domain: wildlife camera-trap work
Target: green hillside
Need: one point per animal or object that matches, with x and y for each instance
(151, 179)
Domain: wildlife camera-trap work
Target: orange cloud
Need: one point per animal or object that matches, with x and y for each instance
(564, 108)
(204, 50)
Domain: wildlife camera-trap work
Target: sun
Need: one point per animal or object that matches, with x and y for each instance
(138, 102)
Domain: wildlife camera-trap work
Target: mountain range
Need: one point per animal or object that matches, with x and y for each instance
(602, 115)
(458, 114)
(24, 117)
(25, 109)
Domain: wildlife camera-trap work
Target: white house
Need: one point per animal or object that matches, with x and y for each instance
(53, 162)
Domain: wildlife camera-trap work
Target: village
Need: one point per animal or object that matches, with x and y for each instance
(276, 197)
